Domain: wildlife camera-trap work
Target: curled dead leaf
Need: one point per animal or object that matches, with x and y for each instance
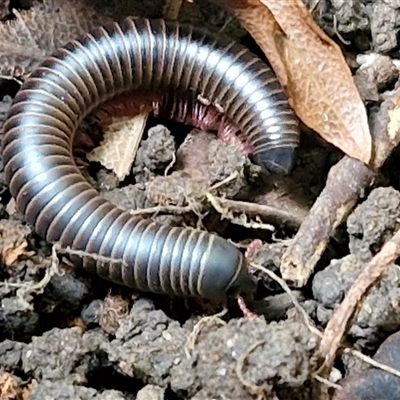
(312, 69)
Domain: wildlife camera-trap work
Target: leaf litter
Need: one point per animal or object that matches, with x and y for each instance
(332, 108)
(312, 69)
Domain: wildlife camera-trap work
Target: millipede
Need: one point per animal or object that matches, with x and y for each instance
(153, 56)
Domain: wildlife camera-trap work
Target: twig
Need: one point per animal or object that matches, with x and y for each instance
(346, 42)
(372, 362)
(346, 183)
(307, 320)
(314, 330)
(228, 179)
(266, 213)
(162, 209)
(348, 309)
(344, 186)
(327, 382)
(242, 220)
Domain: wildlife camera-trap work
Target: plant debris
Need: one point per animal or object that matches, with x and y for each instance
(311, 68)
(322, 243)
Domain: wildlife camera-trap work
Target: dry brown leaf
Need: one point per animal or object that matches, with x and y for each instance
(118, 149)
(35, 33)
(312, 69)
(260, 23)
(9, 388)
(13, 241)
(11, 254)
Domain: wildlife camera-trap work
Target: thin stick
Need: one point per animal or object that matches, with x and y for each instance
(373, 362)
(348, 309)
(307, 320)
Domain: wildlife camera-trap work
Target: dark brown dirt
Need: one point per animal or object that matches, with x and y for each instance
(67, 335)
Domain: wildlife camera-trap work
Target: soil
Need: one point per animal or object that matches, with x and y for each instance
(65, 334)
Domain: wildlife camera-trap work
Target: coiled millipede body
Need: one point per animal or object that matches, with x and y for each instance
(150, 56)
